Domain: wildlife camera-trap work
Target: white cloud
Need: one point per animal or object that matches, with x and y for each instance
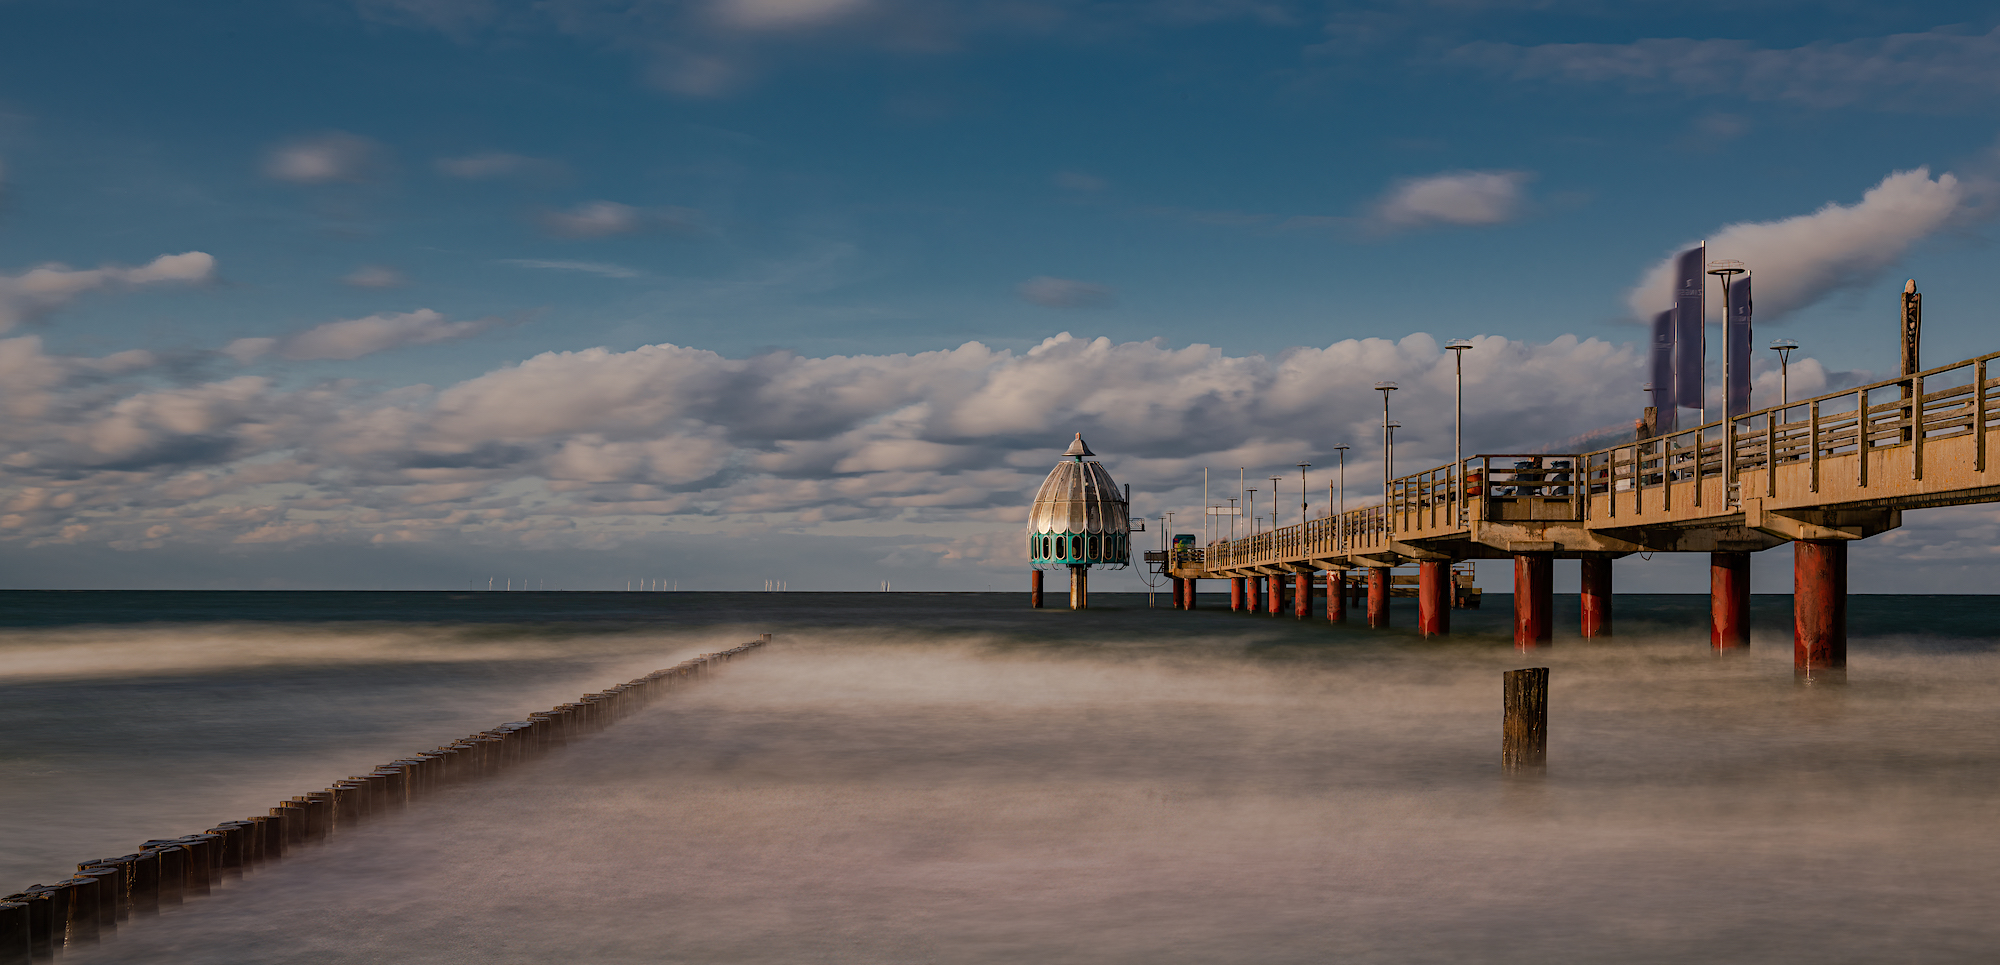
(374, 276)
(1078, 181)
(1453, 198)
(784, 14)
(1065, 293)
(42, 290)
(606, 269)
(356, 337)
(492, 165)
(603, 219)
(1799, 260)
(325, 158)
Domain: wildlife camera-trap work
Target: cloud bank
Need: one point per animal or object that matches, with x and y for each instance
(356, 337)
(39, 291)
(1799, 260)
(598, 447)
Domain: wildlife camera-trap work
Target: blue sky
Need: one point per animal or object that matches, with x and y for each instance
(806, 189)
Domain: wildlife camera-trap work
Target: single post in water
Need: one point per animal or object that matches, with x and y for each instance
(1524, 741)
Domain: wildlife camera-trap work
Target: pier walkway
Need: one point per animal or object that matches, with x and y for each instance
(1818, 473)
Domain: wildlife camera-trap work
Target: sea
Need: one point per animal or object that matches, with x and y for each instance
(957, 778)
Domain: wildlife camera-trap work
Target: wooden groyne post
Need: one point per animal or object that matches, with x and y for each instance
(43, 921)
(1524, 740)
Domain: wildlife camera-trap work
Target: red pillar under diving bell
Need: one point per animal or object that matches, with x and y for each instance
(1235, 594)
(1534, 600)
(1035, 589)
(1434, 598)
(1819, 609)
(1378, 596)
(1275, 600)
(1175, 581)
(1336, 596)
(1253, 590)
(1302, 594)
(1729, 600)
(1188, 593)
(1596, 597)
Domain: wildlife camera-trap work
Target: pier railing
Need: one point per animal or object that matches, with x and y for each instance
(1917, 438)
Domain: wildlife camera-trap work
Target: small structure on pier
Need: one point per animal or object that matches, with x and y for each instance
(1080, 519)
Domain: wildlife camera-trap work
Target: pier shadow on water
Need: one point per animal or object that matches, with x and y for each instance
(954, 778)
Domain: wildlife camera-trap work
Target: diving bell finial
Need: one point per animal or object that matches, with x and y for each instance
(1078, 447)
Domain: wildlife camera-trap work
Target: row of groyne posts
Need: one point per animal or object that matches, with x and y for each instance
(38, 924)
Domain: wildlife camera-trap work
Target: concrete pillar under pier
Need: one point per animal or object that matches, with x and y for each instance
(1336, 596)
(1188, 592)
(1035, 589)
(1178, 591)
(1534, 600)
(1253, 593)
(1235, 594)
(1079, 587)
(1302, 594)
(1434, 598)
(1378, 596)
(1275, 600)
(1596, 597)
(1819, 609)
(1729, 600)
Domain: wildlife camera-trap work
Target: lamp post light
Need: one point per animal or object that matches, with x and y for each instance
(1387, 452)
(1458, 347)
(1250, 506)
(1275, 480)
(1784, 347)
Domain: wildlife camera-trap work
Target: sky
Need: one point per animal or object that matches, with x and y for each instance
(576, 293)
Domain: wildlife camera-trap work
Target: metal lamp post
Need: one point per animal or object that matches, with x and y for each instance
(1387, 451)
(1275, 480)
(1250, 506)
(1784, 347)
(1341, 526)
(1303, 505)
(1458, 347)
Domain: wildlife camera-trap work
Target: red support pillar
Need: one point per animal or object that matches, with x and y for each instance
(1235, 594)
(1378, 596)
(1035, 589)
(1819, 609)
(1596, 597)
(1302, 594)
(1188, 595)
(1534, 600)
(1434, 598)
(1253, 593)
(1729, 600)
(1336, 596)
(1274, 601)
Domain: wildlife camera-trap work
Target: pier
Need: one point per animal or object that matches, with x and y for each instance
(1818, 473)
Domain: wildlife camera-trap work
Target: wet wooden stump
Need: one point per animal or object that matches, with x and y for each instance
(1524, 742)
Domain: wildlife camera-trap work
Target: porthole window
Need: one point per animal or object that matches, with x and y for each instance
(1096, 548)
(1076, 547)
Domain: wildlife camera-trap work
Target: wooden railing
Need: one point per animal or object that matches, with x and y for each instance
(1704, 468)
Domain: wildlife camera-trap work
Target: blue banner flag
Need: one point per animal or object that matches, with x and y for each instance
(1738, 331)
(1663, 369)
(1690, 294)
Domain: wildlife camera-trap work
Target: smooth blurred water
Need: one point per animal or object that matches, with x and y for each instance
(954, 777)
